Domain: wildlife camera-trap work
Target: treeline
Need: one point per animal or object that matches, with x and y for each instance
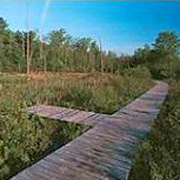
(60, 52)
(162, 58)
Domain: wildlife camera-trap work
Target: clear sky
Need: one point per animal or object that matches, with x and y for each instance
(122, 26)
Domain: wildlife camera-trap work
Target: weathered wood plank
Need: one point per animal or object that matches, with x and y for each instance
(104, 152)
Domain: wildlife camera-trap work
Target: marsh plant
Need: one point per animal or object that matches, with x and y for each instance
(158, 157)
(25, 138)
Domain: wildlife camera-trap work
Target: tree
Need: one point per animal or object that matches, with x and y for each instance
(167, 43)
(101, 56)
(164, 56)
(94, 52)
(9, 53)
(57, 39)
(112, 61)
(82, 47)
(3, 24)
(30, 46)
(58, 51)
(141, 55)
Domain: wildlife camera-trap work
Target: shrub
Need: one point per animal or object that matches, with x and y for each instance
(165, 67)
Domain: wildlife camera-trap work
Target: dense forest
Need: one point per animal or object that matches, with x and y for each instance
(58, 51)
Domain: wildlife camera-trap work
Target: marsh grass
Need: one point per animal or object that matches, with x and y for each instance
(158, 158)
(24, 139)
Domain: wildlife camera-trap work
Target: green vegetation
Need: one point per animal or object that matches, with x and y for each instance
(162, 59)
(106, 93)
(158, 157)
(57, 51)
(25, 139)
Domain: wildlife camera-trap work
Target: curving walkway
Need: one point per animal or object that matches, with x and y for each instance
(105, 152)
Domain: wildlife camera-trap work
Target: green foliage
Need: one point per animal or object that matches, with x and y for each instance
(158, 158)
(167, 43)
(141, 55)
(25, 138)
(109, 96)
(165, 68)
(3, 24)
(162, 60)
(76, 96)
(57, 51)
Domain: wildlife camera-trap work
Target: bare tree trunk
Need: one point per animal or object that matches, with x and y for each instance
(101, 57)
(28, 54)
(27, 45)
(42, 56)
(93, 63)
(112, 67)
(31, 56)
(45, 62)
(74, 60)
(23, 49)
(41, 50)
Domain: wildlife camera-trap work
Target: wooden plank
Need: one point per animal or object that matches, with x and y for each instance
(104, 152)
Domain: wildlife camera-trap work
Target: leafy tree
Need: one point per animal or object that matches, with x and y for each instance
(167, 43)
(3, 24)
(141, 55)
(57, 39)
(82, 48)
(58, 51)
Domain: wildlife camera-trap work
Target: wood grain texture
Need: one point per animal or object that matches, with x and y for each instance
(105, 152)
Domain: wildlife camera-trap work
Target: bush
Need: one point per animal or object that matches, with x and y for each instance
(104, 100)
(106, 94)
(24, 138)
(76, 97)
(165, 67)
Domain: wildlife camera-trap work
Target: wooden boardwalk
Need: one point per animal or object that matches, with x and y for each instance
(105, 152)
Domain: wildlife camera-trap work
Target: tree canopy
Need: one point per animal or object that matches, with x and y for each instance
(31, 51)
(167, 43)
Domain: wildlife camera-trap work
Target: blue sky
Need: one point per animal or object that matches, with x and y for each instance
(122, 26)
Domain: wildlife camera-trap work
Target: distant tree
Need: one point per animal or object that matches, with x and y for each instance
(141, 55)
(167, 43)
(57, 40)
(94, 53)
(30, 47)
(82, 47)
(58, 51)
(111, 62)
(3, 24)
(7, 48)
(163, 60)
